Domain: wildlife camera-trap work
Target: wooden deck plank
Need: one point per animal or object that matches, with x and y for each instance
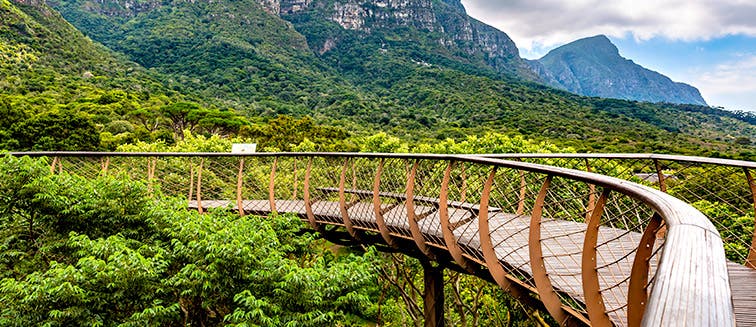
(743, 282)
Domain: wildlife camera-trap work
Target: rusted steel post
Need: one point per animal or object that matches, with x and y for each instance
(637, 292)
(272, 187)
(343, 204)
(151, 165)
(660, 176)
(523, 192)
(662, 187)
(541, 277)
(450, 240)
(417, 235)
(191, 181)
(199, 186)
(591, 195)
(379, 220)
(239, 183)
(104, 163)
(296, 181)
(751, 260)
(486, 244)
(353, 197)
(591, 289)
(463, 175)
(57, 161)
(52, 166)
(307, 197)
(433, 294)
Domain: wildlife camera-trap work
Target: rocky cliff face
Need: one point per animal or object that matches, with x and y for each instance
(35, 3)
(292, 6)
(594, 67)
(367, 15)
(444, 22)
(447, 18)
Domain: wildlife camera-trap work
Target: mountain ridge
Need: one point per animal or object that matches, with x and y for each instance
(593, 67)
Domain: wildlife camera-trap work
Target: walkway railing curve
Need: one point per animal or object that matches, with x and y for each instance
(593, 249)
(723, 189)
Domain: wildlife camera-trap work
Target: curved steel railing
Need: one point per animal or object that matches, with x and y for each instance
(594, 249)
(724, 189)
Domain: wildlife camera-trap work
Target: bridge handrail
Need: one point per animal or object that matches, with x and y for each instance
(669, 157)
(684, 261)
(726, 182)
(691, 284)
(707, 160)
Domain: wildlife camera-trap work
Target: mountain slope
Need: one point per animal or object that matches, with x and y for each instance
(417, 69)
(61, 91)
(228, 52)
(593, 67)
(36, 41)
(57, 86)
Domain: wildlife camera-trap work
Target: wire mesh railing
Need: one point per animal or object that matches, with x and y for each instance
(724, 190)
(593, 249)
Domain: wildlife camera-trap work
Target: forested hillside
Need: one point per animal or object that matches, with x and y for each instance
(386, 74)
(231, 68)
(229, 53)
(62, 91)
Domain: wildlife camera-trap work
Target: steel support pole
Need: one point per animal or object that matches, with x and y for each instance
(433, 297)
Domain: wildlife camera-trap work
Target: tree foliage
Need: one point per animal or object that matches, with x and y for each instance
(106, 252)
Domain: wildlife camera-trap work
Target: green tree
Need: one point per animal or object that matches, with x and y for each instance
(182, 115)
(57, 130)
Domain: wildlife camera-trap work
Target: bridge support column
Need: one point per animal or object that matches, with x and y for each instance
(433, 298)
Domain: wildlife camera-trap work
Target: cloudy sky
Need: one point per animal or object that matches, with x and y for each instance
(710, 44)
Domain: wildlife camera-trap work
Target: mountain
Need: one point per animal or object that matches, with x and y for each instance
(594, 67)
(421, 70)
(318, 42)
(231, 53)
(431, 31)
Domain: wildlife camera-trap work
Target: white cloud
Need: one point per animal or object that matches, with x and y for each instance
(730, 84)
(535, 24)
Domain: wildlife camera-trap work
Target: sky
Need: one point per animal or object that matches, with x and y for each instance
(710, 44)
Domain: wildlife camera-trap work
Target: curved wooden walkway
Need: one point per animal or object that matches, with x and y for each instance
(511, 237)
(590, 249)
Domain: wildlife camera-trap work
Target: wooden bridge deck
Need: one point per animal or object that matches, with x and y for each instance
(510, 235)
